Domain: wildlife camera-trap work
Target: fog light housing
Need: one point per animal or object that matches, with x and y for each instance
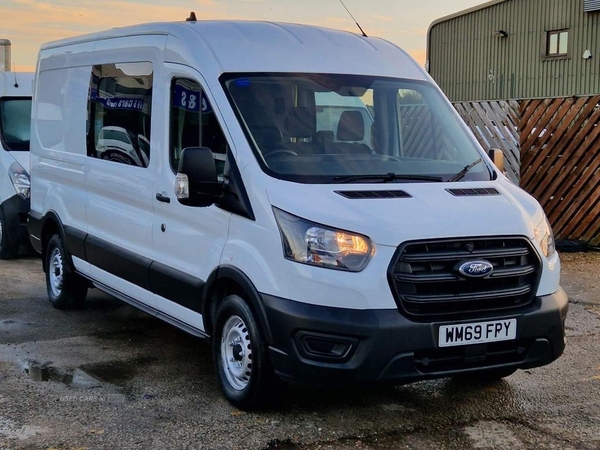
(325, 347)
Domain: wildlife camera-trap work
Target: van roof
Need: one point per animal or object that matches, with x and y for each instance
(260, 46)
(24, 84)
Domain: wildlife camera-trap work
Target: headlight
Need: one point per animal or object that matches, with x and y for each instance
(310, 243)
(20, 180)
(545, 237)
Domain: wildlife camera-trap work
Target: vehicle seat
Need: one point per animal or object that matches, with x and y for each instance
(350, 130)
(299, 127)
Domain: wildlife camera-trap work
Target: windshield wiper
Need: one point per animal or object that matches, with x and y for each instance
(386, 178)
(465, 170)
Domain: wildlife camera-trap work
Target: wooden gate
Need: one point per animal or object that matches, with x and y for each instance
(552, 149)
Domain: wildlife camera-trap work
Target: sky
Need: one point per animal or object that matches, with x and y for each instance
(30, 23)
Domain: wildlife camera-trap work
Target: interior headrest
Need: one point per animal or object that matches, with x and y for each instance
(299, 123)
(351, 126)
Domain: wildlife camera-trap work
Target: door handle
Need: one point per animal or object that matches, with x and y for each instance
(163, 198)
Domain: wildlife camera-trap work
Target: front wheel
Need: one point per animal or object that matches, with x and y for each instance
(244, 372)
(66, 289)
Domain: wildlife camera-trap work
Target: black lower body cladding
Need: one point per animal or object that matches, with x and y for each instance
(331, 346)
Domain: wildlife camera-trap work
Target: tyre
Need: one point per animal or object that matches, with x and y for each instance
(244, 372)
(8, 249)
(66, 289)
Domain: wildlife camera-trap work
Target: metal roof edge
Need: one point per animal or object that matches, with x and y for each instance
(464, 12)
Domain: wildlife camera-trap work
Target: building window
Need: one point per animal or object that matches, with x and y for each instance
(557, 43)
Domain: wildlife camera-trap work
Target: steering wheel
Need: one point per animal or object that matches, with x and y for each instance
(281, 152)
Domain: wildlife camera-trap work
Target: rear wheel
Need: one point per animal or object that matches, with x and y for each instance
(240, 354)
(66, 289)
(8, 249)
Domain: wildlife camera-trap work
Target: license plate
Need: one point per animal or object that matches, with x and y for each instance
(477, 333)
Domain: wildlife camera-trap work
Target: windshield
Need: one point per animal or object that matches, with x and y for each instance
(15, 118)
(323, 128)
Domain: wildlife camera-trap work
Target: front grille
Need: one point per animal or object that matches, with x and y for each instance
(426, 283)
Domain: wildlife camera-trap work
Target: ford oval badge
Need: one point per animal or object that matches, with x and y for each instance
(476, 269)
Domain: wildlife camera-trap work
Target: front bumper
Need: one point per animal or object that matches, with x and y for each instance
(333, 346)
(15, 211)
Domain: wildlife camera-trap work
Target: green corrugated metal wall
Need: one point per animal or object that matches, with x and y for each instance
(470, 63)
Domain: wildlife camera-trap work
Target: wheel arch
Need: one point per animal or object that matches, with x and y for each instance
(227, 280)
(51, 225)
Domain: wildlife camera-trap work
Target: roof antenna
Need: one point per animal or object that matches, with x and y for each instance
(15, 72)
(359, 27)
(192, 17)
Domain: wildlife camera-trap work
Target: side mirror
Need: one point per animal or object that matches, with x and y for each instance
(197, 183)
(497, 157)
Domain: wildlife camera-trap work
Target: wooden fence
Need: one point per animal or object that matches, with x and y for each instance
(495, 125)
(554, 154)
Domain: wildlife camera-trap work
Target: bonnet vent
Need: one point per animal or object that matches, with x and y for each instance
(374, 194)
(477, 192)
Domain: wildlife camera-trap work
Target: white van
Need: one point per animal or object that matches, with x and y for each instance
(305, 252)
(15, 119)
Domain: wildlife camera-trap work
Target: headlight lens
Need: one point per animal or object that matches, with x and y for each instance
(310, 243)
(545, 238)
(20, 180)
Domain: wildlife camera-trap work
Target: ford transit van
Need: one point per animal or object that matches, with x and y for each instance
(15, 119)
(309, 201)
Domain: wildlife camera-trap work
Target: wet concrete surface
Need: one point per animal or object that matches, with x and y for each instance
(108, 377)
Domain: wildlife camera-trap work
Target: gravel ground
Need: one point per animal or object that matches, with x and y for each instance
(581, 277)
(159, 390)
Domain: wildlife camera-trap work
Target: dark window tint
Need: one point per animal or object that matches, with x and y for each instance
(193, 123)
(15, 119)
(119, 109)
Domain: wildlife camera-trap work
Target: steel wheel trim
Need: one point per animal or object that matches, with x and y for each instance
(56, 272)
(236, 353)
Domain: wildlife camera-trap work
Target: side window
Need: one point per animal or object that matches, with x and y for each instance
(119, 110)
(193, 123)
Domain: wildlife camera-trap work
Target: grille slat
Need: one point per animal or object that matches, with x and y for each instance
(440, 256)
(467, 297)
(427, 284)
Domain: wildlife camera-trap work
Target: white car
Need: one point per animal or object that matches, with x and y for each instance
(120, 145)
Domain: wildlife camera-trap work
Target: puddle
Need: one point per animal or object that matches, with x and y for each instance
(88, 375)
(46, 372)
(116, 372)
